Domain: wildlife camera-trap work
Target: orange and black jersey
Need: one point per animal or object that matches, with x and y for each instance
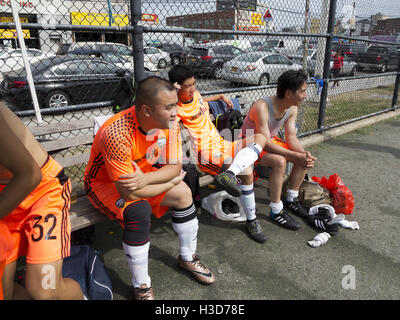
(120, 140)
(195, 116)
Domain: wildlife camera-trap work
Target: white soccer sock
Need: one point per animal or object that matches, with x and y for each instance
(276, 207)
(138, 263)
(245, 158)
(248, 201)
(187, 233)
(291, 194)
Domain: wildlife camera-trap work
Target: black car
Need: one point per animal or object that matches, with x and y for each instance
(207, 59)
(61, 81)
(176, 52)
(351, 50)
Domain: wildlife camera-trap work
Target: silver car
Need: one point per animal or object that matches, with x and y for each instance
(349, 66)
(257, 68)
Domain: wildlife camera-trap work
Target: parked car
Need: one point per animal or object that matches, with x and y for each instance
(12, 59)
(298, 58)
(208, 59)
(257, 68)
(118, 48)
(285, 46)
(351, 50)
(176, 52)
(260, 48)
(157, 56)
(61, 81)
(120, 61)
(379, 58)
(349, 66)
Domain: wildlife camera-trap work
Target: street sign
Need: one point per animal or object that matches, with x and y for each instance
(267, 16)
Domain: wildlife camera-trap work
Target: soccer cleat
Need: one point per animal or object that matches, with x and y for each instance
(228, 182)
(255, 230)
(296, 207)
(323, 220)
(284, 220)
(143, 293)
(197, 269)
(229, 206)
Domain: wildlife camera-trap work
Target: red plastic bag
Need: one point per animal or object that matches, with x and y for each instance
(342, 197)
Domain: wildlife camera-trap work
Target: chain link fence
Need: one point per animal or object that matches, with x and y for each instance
(79, 50)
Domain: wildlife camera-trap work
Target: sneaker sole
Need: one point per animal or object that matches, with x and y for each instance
(234, 191)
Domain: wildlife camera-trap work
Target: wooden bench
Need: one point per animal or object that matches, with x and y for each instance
(73, 151)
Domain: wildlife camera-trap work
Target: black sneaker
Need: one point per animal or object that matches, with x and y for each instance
(228, 182)
(284, 220)
(296, 207)
(229, 206)
(255, 230)
(322, 220)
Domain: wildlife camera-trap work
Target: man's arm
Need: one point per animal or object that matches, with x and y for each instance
(148, 191)
(222, 97)
(26, 172)
(294, 143)
(139, 180)
(290, 132)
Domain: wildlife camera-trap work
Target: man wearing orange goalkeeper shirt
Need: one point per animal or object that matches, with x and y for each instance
(221, 158)
(34, 215)
(122, 181)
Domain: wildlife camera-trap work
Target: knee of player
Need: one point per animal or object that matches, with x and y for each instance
(183, 195)
(138, 211)
(280, 162)
(44, 291)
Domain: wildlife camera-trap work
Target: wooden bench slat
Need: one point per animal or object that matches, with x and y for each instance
(74, 160)
(66, 143)
(62, 127)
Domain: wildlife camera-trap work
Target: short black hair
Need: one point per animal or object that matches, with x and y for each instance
(290, 80)
(148, 89)
(180, 73)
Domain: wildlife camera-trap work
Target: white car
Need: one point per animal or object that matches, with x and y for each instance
(12, 60)
(257, 68)
(157, 56)
(128, 64)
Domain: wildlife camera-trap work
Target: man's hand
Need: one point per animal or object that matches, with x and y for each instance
(310, 160)
(179, 178)
(133, 181)
(229, 104)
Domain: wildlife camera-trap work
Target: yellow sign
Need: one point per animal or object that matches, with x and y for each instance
(99, 19)
(150, 17)
(256, 18)
(12, 33)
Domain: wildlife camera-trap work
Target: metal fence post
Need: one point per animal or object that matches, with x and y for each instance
(327, 58)
(137, 41)
(396, 86)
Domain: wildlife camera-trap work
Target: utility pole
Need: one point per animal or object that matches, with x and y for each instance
(323, 25)
(237, 18)
(306, 30)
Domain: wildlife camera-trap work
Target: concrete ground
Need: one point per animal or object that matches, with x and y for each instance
(355, 264)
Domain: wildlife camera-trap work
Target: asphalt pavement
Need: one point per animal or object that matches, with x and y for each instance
(355, 264)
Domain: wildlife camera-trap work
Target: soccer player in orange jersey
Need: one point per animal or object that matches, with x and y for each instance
(34, 207)
(221, 158)
(122, 181)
